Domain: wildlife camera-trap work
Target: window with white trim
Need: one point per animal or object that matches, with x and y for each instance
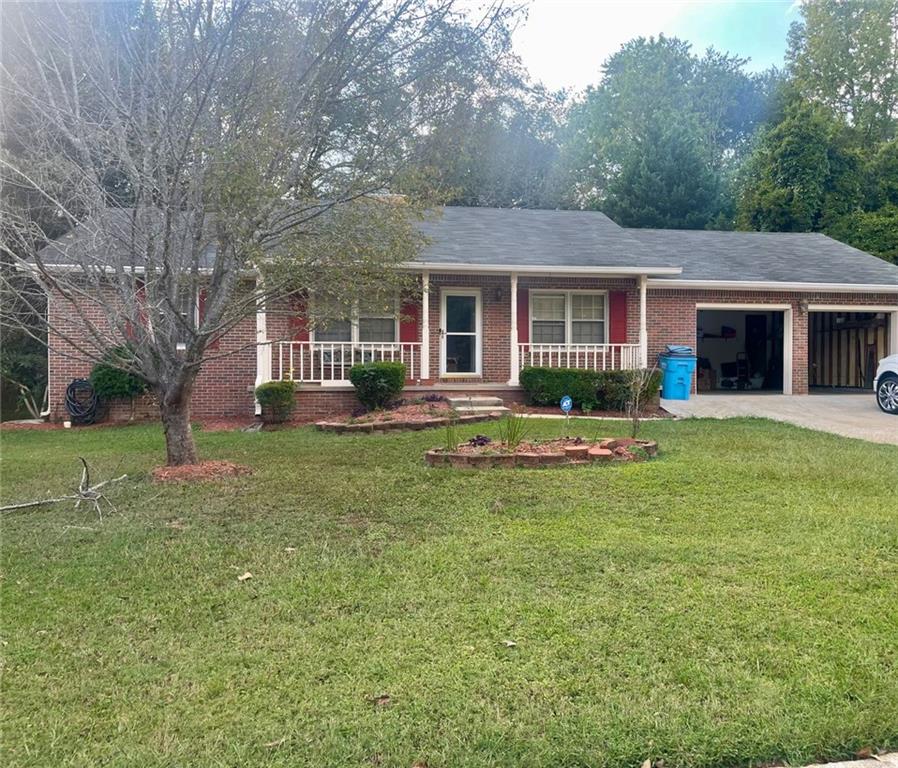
(568, 317)
(363, 326)
(548, 318)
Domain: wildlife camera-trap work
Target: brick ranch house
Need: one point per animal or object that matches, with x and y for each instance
(502, 289)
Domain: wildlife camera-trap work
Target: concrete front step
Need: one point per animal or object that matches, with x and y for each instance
(465, 402)
(466, 410)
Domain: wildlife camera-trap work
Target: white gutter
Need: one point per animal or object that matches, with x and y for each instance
(547, 269)
(761, 285)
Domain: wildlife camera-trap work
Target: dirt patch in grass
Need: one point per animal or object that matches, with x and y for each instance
(199, 473)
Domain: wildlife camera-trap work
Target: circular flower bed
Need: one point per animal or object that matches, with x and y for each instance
(481, 452)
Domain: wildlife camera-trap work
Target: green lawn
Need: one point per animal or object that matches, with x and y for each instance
(733, 602)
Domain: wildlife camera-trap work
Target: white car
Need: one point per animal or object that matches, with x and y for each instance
(885, 385)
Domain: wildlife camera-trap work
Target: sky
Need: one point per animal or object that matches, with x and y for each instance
(564, 42)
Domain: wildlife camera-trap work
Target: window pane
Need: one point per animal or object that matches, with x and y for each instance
(587, 306)
(461, 314)
(377, 329)
(336, 330)
(461, 354)
(546, 307)
(588, 332)
(548, 331)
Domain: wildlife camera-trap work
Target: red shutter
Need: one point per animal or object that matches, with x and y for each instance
(523, 316)
(408, 323)
(299, 326)
(201, 312)
(617, 314)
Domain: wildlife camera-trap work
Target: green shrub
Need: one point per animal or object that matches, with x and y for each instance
(513, 428)
(111, 382)
(276, 399)
(376, 384)
(603, 390)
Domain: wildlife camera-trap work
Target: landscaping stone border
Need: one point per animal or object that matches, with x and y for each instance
(614, 449)
(342, 427)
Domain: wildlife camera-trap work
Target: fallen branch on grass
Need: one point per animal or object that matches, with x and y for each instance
(85, 492)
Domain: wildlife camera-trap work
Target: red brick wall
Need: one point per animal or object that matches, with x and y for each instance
(223, 388)
(672, 318)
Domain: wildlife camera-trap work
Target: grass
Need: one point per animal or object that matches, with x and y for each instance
(732, 603)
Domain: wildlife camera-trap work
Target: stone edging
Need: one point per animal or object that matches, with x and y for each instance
(572, 454)
(342, 427)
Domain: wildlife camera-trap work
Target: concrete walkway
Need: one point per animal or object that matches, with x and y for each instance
(855, 415)
(889, 760)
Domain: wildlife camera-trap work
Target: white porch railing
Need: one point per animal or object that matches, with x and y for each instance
(330, 361)
(596, 357)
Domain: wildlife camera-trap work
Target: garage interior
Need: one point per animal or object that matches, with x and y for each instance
(844, 349)
(739, 350)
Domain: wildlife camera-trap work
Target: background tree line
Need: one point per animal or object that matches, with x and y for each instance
(673, 138)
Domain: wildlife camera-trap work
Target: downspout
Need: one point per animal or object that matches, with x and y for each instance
(263, 348)
(44, 414)
(643, 324)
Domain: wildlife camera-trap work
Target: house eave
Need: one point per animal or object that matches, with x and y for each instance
(531, 269)
(769, 285)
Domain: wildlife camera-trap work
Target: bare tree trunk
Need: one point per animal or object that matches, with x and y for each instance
(175, 407)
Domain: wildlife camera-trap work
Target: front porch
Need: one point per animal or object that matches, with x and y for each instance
(477, 329)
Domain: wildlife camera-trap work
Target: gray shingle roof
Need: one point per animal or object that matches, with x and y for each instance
(502, 238)
(782, 257)
(506, 237)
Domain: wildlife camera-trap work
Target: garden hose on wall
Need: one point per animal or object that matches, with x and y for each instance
(81, 401)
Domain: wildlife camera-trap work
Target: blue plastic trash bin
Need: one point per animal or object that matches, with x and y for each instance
(677, 365)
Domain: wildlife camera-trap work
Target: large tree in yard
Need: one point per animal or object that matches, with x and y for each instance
(661, 114)
(230, 148)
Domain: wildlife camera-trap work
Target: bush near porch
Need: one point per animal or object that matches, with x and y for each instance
(377, 383)
(734, 603)
(590, 390)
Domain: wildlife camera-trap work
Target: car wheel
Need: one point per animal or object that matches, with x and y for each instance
(887, 395)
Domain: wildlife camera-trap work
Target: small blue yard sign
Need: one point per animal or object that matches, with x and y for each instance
(567, 403)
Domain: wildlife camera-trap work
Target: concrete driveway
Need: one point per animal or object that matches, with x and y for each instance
(855, 415)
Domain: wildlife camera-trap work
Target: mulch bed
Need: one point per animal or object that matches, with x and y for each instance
(198, 473)
(406, 416)
(480, 452)
(47, 425)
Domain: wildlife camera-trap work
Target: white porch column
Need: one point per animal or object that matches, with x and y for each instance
(643, 325)
(893, 332)
(514, 379)
(425, 325)
(263, 346)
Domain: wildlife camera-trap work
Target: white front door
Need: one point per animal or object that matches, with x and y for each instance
(460, 332)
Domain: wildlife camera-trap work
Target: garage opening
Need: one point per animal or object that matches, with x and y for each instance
(739, 350)
(844, 349)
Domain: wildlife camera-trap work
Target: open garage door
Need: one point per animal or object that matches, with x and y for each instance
(844, 349)
(740, 350)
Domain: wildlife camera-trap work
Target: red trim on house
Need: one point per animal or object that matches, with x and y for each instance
(617, 317)
(409, 321)
(523, 316)
(299, 324)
